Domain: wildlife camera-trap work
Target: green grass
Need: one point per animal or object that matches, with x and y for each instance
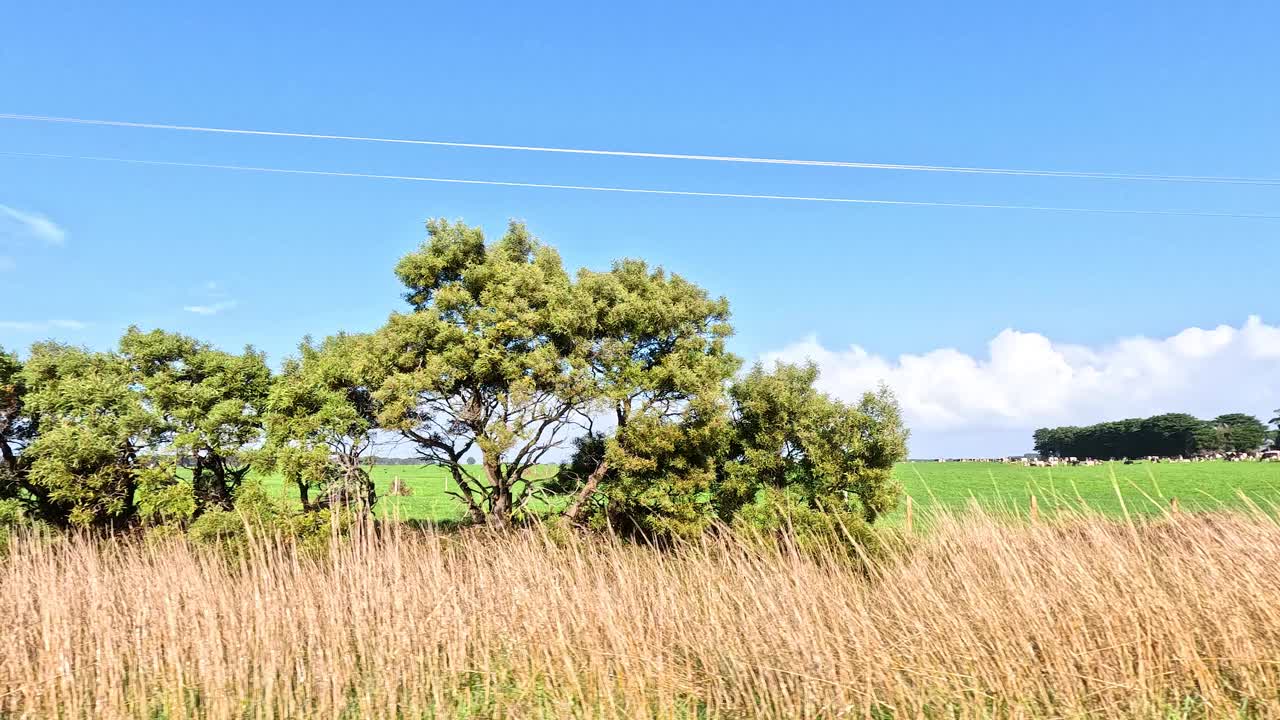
(430, 499)
(1145, 487)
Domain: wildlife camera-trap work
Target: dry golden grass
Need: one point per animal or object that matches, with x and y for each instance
(1087, 617)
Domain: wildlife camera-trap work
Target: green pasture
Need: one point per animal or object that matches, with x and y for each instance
(429, 486)
(1110, 488)
(1145, 487)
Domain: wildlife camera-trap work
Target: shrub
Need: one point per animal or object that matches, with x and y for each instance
(782, 516)
(257, 513)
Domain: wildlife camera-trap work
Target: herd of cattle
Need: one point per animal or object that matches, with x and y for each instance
(1260, 456)
(1025, 461)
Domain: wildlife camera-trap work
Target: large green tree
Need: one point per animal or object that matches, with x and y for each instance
(320, 423)
(1243, 433)
(656, 355)
(90, 455)
(1169, 434)
(796, 445)
(492, 357)
(208, 406)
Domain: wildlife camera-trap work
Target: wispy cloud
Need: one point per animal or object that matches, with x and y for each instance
(212, 309)
(21, 224)
(41, 326)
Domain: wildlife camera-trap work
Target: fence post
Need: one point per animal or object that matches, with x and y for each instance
(909, 513)
(1035, 509)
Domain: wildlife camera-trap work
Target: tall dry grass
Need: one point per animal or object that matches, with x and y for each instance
(1084, 617)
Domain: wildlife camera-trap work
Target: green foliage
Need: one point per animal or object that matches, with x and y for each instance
(661, 473)
(11, 518)
(1171, 434)
(658, 364)
(87, 461)
(1167, 435)
(786, 515)
(827, 455)
(103, 432)
(491, 358)
(320, 420)
(1241, 433)
(166, 499)
(15, 427)
(502, 353)
(207, 406)
(257, 512)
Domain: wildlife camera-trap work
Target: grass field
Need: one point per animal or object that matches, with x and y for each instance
(1145, 487)
(430, 486)
(1177, 618)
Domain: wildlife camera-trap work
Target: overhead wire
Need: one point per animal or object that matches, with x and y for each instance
(907, 167)
(646, 191)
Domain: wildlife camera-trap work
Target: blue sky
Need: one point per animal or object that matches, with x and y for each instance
(1171, 88)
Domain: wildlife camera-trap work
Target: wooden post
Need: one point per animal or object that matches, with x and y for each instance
(1035, 509)
(909, 513)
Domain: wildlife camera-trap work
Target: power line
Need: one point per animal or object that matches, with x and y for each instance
(667, 156)
(648, 191)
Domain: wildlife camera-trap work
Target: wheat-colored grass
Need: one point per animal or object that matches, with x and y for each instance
(1081, 618)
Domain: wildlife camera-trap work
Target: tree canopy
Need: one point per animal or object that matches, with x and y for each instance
(491, 358)
(500, 354)
(1167, 435)
(808, 448)
(320, 420)
(16, 427)
(87, 460)
(206, 405)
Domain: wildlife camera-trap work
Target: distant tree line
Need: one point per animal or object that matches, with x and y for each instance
(380, 460)
(503, 359)
(1167, 435)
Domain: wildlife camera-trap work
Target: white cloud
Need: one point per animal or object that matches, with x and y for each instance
(1026, 381)
(41, 326)
(212, 309)
(16, 223)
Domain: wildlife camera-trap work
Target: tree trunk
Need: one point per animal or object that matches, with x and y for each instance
(580, 500)
(198, 486)
(474, 512)
(10, 459)
(218, 492)
(499, 494)
(500, 508)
